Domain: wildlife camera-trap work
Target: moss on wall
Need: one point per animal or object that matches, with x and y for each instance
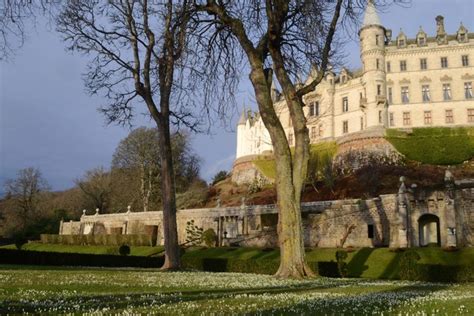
(434, 145)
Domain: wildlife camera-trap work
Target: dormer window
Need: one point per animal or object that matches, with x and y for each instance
(401, 43)
(462, 34)
(343, 79)
(421, 37)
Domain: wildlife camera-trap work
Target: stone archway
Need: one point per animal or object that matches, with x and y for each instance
(429, 231)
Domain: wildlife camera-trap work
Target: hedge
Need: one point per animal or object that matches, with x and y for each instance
(98, 240)
(322, 268)
(445, 273)
(434, 145)
(10, 256)
(230, 265)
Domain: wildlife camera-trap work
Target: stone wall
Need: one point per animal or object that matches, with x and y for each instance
(412, 217)
(365, 148)
(244, 170)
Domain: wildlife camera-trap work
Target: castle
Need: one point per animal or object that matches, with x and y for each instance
(404, 82)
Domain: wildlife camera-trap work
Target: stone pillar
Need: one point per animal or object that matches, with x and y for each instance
(61, 227)
(402, 215)
(449, 211)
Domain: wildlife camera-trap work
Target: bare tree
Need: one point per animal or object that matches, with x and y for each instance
(26, 190)
(96, 186)
(16, 17)
(285, 38)
(138, 155)
(137, 47)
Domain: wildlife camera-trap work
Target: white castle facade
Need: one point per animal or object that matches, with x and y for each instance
(424, 81)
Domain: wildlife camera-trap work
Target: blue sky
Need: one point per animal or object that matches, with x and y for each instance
(48, 121)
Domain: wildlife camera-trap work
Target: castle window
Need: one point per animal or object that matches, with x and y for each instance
(406, 119)
(389, 67)
(446, 92)
(462, 37)
(313, 132)
(444, 62)
(468, 90)
(425, 91)
(345, 104)
(378, 63)
(380, 117)
(421, 41)
(290, 139)
(343, 79)
(470, 115)
(427, 118)
(370, 231)
(379, 89)
(405, 96)
(377, 40)
(449, 117)
(314, 109)
(401, 42)
(391, 118)
(361, 123)
(465, 60)
(321, 130)
(403, 65)
(345, 127)
(423, 64)
(390, 95)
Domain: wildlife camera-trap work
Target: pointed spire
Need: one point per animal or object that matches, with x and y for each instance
(371, 16)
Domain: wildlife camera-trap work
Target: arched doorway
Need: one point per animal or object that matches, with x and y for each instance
(428, 225)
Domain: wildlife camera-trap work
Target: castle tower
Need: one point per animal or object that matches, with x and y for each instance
(372, 52)
(241, 133)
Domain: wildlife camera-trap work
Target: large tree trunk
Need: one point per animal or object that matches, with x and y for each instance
(172, 253)
(290, 227)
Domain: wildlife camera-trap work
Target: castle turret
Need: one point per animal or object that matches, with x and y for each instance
(241, 131)
(372, 50)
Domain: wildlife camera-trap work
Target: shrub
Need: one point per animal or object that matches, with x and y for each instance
(341, 255)
(98, 240)
(409, 265)
(209, 237)
(124, 250)
(19, 242)
(445, 273)
(10, 256)
(327, 269)
(220, 176)
(193, 234)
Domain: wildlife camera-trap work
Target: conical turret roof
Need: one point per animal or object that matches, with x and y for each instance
(371, 16)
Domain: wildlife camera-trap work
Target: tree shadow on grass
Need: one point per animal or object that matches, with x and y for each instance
(380, 303)
(85, 303)
(357, 264)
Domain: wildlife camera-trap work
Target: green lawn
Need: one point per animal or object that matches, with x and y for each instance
(132, 291)
(99, 250)
(373, 263)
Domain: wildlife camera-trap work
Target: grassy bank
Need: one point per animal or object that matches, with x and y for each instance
(434, 145)
(320, 155)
